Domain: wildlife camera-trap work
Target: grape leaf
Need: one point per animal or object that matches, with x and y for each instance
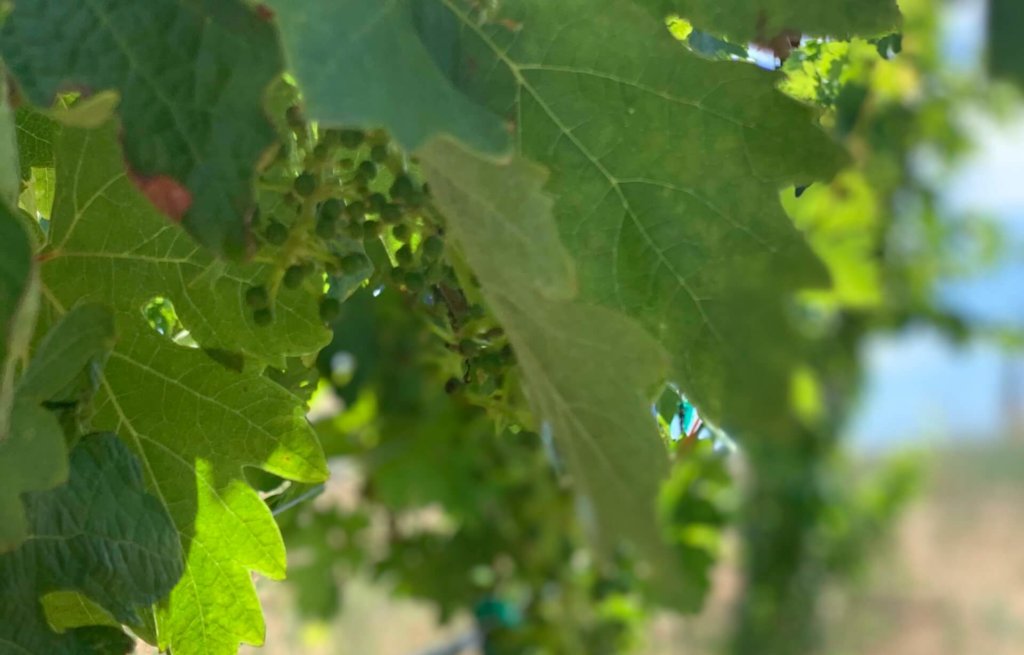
(83, 336)
(33, 457)
(19, 301)
(1006, 49)
(665, 176)
(334, 46)
(101, 535)
(8, 149)
(193, 422)
(586, 369)
(763, 20)
(191, 75)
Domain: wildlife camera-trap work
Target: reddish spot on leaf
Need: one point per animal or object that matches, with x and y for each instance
(265, 12)
(166, 194)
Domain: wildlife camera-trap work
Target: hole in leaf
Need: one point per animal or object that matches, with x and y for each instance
(160, 315)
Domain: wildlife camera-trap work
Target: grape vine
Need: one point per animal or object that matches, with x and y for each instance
(505, 241)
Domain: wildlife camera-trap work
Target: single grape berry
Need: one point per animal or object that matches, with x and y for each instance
(352, 139)
(367, 169)
(326, 228)
(305, 184)
(353, 262)
(452, 385)
(293, 115)
(331, 138)
(263, 317)
(330, 309)
(415, 281)
(276, 233)
(257, 297)
(372, 229)
(402, 187)
(467, 347)
(346, 164)
(294, 275)
(356, 211)
(376, 202)
(379, 153)
(355, 230)
(404, 255)
(391, 213)
(331, 209)
(433, 247)
(402, 232)
(321, 152)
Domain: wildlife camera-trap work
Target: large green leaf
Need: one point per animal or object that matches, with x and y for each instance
(665, 170)
(194, 422)
(335, 46)
(587, 370)
(100, 535)
(764, 20)
(191, 74)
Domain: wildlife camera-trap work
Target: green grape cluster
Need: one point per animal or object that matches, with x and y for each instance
(328, 198)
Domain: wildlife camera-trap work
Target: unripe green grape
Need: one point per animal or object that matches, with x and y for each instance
(305, 184)
(452, 385)
(355, 230)
(391, 214)
(321, 152)
(352, 139)
(294, 275)
(402, 232)
(404, 255)
(353, 262)
(257, 297)
(402, 187)
(331, 209)
(356, 211)
(367, 169)
(414, 281)
(467, 347)
(331, 138)
(346, 164)
(326, 228)
(376, 202)
(378, 138)
(263, 317)
(372, 229)
(276, 233)
(293, 115)
(433, 247)
(379, 153)
(330, 309)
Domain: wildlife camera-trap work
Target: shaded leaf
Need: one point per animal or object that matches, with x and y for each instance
(191, 75)
(335, 46)
(665, 170)
(586, 369)
(194, 423)
(101, 535)
(33, 457)
(84, 335)
(19, 301)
